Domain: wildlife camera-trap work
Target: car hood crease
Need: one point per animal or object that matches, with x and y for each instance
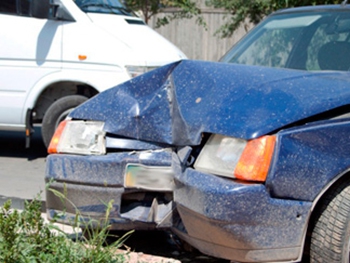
(176, 103)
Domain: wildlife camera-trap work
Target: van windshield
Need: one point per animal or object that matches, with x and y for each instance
(104, 6)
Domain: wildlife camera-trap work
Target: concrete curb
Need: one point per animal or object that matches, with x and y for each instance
(18, 203)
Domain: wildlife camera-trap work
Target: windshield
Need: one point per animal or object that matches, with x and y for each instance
(104, 6)
(306, 41)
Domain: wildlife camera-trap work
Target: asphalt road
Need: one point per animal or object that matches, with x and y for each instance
(21, 170)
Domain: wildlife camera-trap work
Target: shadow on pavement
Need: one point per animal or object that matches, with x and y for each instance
(165, 244)
(13, 145)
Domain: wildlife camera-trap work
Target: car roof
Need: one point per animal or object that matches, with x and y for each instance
(315, 8)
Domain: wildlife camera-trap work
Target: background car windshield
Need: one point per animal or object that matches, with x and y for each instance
(104, 6)
(306, 41)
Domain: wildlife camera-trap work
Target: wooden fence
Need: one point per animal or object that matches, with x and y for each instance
(194, 40)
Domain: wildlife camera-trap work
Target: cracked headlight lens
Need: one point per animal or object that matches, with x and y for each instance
(79, 137)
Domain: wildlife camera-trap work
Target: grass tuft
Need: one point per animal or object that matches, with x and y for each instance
(26, 238)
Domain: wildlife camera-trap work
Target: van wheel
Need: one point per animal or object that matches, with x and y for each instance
(330, 238)
(56, 113)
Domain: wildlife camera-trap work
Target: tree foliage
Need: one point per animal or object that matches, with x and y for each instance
(253, 11)
(238, 11)
(181, 8)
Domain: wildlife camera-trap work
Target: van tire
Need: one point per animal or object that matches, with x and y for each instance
(330, 238)
(56, 113)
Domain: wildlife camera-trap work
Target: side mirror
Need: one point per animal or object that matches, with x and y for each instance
(40, 8)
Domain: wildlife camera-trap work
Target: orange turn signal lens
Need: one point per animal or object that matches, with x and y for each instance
(255, 160)
(82, 57)
(56, 137)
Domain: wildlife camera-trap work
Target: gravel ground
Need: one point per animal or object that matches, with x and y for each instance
(153, 247)
(168, 246)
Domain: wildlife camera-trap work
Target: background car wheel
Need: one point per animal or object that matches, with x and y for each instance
(56, 113)
(331, 233)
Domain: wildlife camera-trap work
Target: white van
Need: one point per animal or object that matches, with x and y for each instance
(55, 55)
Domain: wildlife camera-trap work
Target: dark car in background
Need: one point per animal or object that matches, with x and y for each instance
(247, 160)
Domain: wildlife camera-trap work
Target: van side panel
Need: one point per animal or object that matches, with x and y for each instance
(30, 49)
(98, 78)
(97, 45)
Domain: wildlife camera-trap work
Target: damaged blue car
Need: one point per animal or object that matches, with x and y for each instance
(246, 160)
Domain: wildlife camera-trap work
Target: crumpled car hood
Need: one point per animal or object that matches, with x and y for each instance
(176, 103)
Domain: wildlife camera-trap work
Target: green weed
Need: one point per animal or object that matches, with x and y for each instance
(26, 238)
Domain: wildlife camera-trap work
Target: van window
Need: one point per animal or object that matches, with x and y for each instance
(104, 6)
(8, 6)
(24, 8)
(19, 7)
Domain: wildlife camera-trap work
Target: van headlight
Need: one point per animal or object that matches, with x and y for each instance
(135, 71)
(79, 137)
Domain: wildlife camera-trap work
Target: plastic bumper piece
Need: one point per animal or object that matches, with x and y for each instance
(237, 221)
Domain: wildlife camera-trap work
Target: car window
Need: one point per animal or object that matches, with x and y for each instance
(320, 39)
(306, 41)
(272, 49)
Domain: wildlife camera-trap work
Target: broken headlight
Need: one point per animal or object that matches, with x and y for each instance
(79, 137)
